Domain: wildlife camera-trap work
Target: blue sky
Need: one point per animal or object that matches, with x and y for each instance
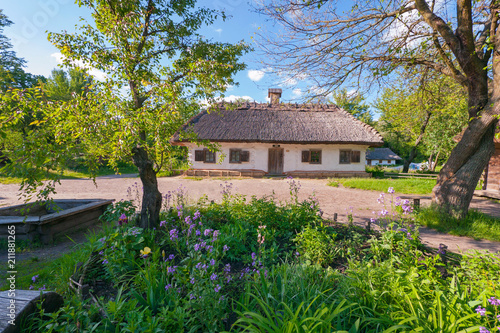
(34, 18)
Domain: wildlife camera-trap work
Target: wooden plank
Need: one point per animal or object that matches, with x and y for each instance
(19, 219)
(16, 305)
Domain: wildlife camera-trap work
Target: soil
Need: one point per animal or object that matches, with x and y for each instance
(333, 200)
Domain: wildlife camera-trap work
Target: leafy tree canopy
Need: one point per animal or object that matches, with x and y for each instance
(354, 103)
(157, 68)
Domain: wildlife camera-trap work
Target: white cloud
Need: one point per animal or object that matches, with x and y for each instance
(99, 75)
(219, 31)
(233, 98)
(297, 92)
(255, 74)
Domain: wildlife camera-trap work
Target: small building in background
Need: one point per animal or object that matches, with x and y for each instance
(381, 156)
(298, 140)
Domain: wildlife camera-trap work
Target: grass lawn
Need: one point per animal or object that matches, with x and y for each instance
(74, 174)
(405, 185)
(400, 185)
(475, 225)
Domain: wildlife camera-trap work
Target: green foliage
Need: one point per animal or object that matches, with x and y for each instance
(214, 267)
(354, 104)
(444, 100)
(114, 211)
(317, 244)
(62, 86)
(476, 225)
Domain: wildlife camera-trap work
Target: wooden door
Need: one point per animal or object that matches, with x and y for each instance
(275, 161)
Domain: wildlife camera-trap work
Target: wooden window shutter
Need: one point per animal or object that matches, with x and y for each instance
(245, 156)
(355, 156)
(306, 155)
(199, 155)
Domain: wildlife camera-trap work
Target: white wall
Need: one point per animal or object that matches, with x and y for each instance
(292, 160)
(384, 162)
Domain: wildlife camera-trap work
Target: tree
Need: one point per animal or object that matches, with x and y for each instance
(157, 69)
(63, 86)
(371, 39)
(354, 104)
(422, 113)
(12, 73)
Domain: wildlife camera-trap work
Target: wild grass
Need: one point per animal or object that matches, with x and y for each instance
(404, 186)
(476, 225)
(77, 173)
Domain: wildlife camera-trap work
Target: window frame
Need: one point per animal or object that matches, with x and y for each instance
(206, 153)
(306, 156)
(346, 160)
(232, 153)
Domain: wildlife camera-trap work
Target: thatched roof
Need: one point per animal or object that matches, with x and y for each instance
(381, 154)
(281, 123)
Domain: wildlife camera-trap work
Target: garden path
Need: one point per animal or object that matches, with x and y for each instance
(332, 199)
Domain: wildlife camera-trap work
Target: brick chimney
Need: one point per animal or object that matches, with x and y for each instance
(274, 94)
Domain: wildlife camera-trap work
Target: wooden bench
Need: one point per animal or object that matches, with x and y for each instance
(17, 305)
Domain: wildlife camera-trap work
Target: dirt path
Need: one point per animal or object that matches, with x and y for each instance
(332, 200)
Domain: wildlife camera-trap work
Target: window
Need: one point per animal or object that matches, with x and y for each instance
(312, 156)
(350, 156)
(238, 156)
(315, 157)
(204, 155)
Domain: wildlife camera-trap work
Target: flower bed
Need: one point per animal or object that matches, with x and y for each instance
(259, 265)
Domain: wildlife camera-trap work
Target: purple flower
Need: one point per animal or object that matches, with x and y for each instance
(225, 248)
(216, 234)
(481, 311)
(408, 235)
(217, 288)
(192, 281)
(198, 265)
(492, 300)
(390, 190)
(383, 212)
(105, 261)
(198, 232)
(123, 219)
(196, 247)
(168, 286)
(34, 278)
(483, 330)
(209, 248)
(101, 252)
(171, 270)
(253, 255)
(171, 257)
(102, 239)
(191, 296)
(213, 277)
(162, 223)
(173, 234)
(212, 262)
(42, 288)
(31, 288)
(188, 219)
(297, 254)
(227, 268)
(197, 214)
(207, 232)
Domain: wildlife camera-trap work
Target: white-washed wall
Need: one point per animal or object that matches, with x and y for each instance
(384, 162)
(292, 160)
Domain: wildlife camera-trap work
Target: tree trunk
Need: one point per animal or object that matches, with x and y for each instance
(453, 191)
(151, 197)
(413, 151)
(435, 161)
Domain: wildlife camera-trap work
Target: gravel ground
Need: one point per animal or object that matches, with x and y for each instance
(332, 200)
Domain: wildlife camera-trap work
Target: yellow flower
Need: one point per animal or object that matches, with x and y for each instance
(146, 251)
(163, 254)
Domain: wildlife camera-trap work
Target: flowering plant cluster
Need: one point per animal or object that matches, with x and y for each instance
(490, 315)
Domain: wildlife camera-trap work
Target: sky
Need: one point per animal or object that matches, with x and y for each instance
(32, 19)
